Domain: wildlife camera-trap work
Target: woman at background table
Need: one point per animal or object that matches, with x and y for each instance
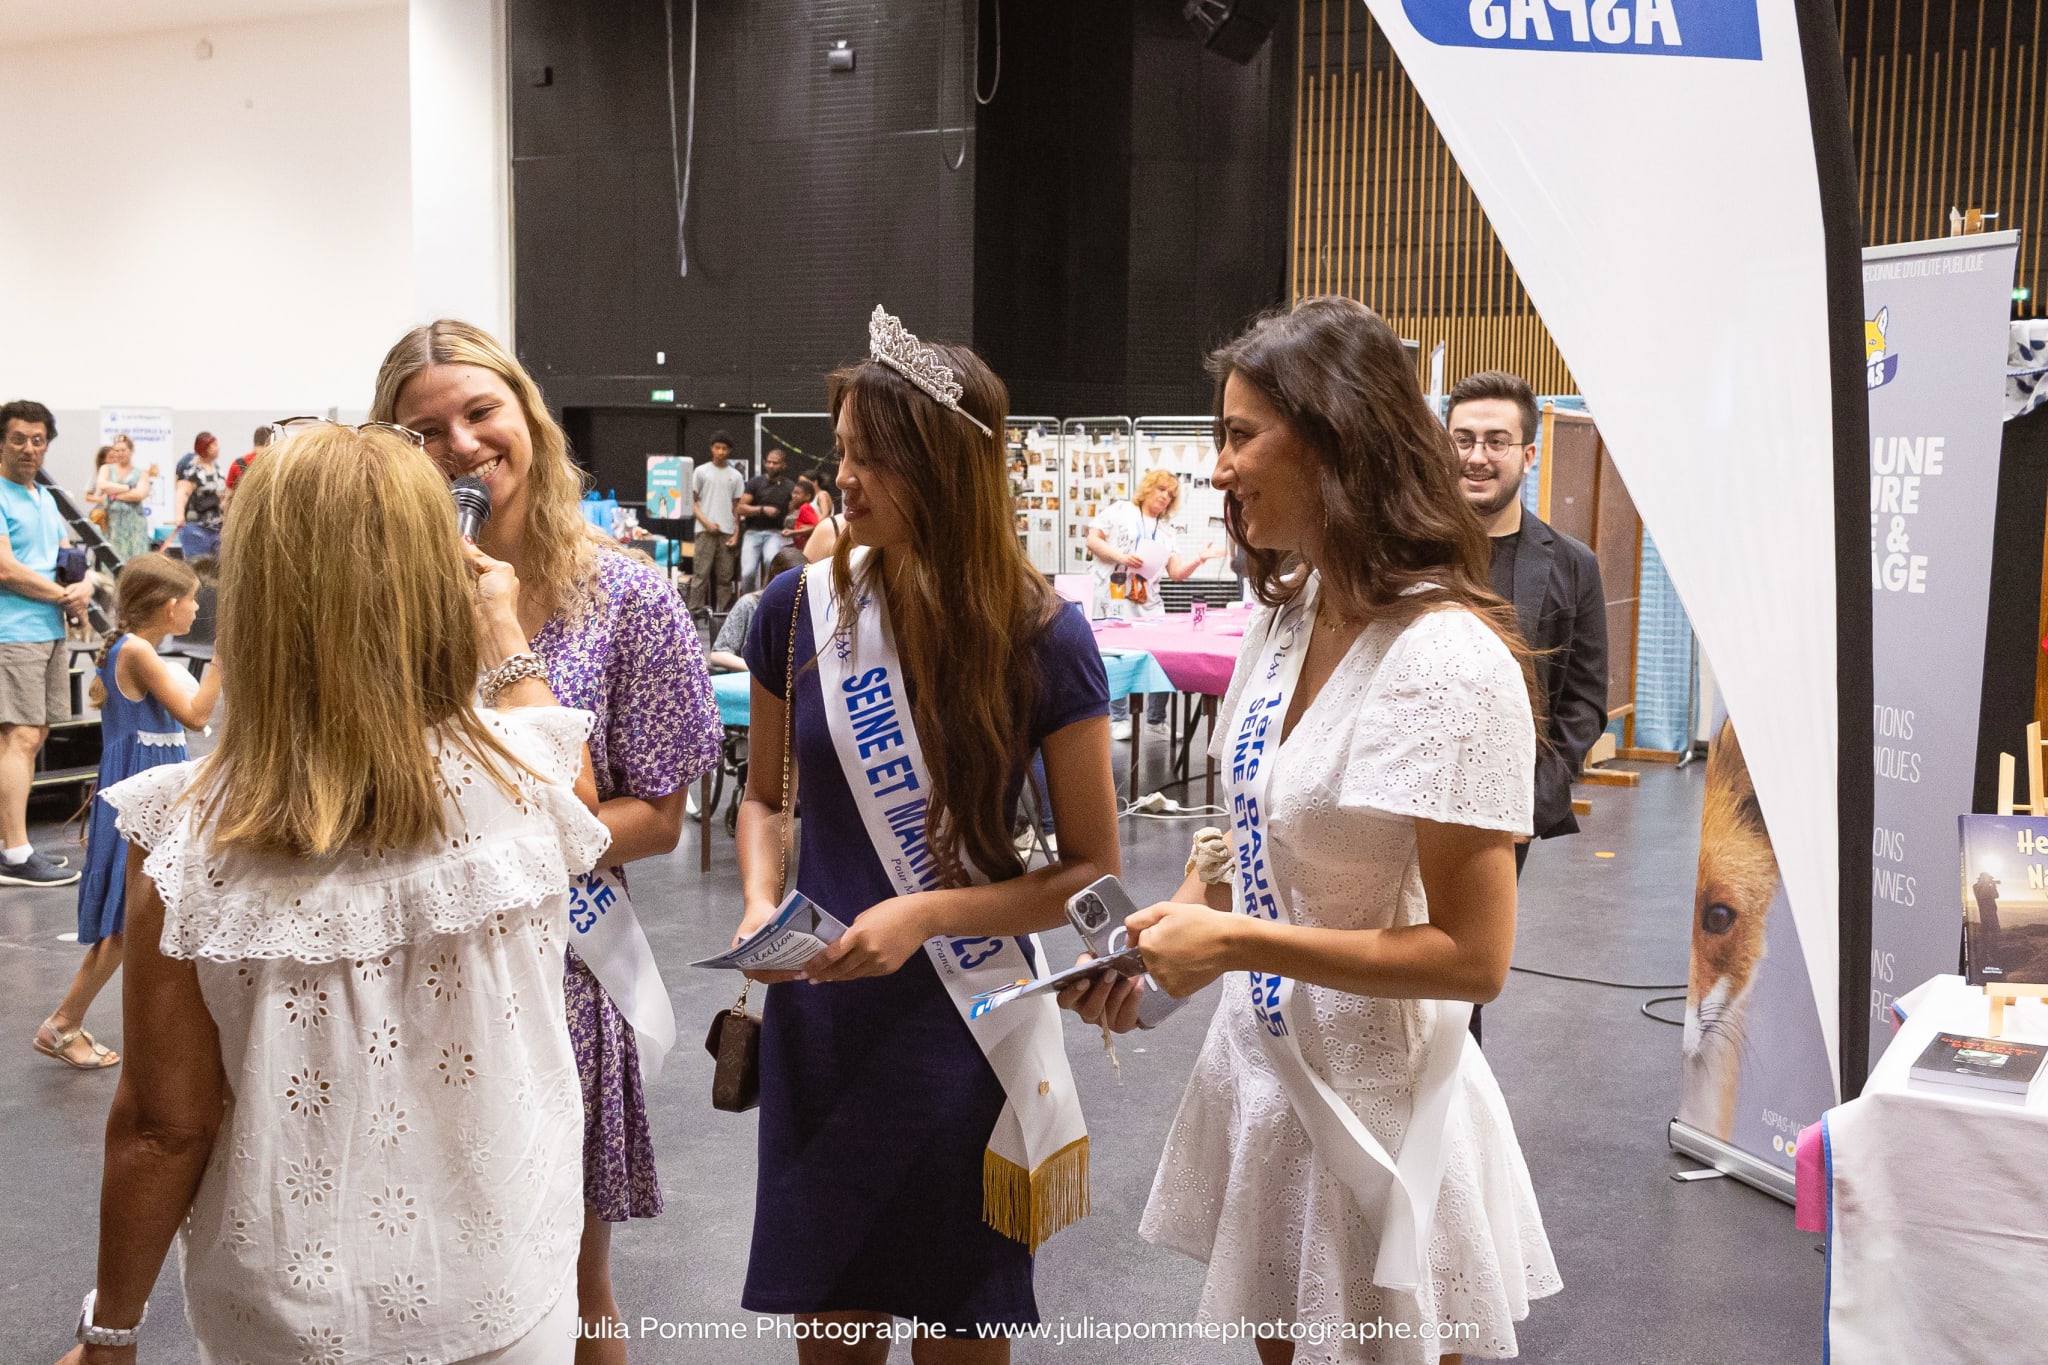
(1379, 738)
(882, 1123)
(1133, 547)
(618, 643)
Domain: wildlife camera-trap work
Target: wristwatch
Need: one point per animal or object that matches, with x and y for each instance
(89, 1335)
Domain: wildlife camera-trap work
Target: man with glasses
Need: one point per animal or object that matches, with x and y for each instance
(1552, 580)
(35, 665)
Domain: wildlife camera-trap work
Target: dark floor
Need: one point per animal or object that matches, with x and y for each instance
(1655, 1271)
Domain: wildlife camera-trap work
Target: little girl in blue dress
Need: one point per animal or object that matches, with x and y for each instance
(146, 705)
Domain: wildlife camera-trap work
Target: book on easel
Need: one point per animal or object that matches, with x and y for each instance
(2005, 898)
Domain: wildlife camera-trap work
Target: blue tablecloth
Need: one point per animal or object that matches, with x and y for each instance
(1133, 670)
(1130, 670)
(734, 691)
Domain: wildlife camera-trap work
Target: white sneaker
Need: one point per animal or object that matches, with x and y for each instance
(1119, 729)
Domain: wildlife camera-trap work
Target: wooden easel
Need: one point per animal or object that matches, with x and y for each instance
(2037, 791)
(2012, 992)
(2009, 993)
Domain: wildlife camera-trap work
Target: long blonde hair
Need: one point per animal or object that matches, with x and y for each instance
(348, 644)
(145, 586)
(560, 549)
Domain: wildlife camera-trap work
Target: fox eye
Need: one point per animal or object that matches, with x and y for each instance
(1717, 919)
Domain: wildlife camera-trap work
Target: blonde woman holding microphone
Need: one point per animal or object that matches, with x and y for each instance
(617, 642)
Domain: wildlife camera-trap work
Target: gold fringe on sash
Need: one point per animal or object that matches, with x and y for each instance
(1031, 1207)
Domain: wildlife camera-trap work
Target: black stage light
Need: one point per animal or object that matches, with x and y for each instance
(1236, 29)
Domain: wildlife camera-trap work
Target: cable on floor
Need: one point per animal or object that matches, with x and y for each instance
(1661, 1000)
(1596, 981)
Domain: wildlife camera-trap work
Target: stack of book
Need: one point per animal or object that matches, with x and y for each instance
(1985, 1063)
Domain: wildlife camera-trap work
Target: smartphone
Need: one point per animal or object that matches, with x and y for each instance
(1097, 911)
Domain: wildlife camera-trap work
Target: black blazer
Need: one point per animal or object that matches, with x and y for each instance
(1562, 608)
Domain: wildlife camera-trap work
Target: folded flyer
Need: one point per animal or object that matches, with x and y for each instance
(1125, 963)
(798, 933)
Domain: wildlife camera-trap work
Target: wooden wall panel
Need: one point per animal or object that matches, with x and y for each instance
(1948, 100)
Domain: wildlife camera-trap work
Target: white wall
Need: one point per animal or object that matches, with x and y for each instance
(229, 237)
(461, 213)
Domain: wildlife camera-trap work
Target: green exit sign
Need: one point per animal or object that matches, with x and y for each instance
(662, 396)
(2022, 295)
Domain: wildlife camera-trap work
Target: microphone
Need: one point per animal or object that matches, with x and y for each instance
(472, 505)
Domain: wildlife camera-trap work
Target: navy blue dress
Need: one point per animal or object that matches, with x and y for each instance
(876, 1104)
(133, 735)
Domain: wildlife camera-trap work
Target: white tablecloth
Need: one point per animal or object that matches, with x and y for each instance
(1938, 1194)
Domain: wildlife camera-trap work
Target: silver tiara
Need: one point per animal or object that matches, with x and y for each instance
(898, 348)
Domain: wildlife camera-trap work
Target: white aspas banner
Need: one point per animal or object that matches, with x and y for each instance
(1649, 166)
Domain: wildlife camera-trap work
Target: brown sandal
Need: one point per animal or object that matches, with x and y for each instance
(102, 1057)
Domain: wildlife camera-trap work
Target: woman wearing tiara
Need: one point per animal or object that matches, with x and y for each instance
(1342, 1154)
(910, 1163)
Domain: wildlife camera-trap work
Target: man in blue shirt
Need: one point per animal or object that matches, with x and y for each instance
(35, 665)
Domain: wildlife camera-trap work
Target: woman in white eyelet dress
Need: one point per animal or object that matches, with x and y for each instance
(1416, 724)
(350, 1093)
(1378, 746)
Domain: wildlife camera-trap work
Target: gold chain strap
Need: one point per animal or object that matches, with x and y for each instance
(788, 759)
(789, 734)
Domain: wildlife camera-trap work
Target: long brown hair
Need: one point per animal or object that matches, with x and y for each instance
(1398, 538)
(561, 549)
(348, 645)
(145, 586)
(967, 608)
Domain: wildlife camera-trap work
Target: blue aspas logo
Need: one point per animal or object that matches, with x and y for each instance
(1658, 28)
(1881, 366)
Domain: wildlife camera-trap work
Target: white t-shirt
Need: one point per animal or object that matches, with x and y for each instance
(399, 1171)
(1133, 590)
(715, 490)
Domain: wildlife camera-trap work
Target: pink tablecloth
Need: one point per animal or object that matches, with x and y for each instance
(1194, 660)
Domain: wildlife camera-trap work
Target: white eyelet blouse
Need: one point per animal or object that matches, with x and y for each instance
(398, 1175)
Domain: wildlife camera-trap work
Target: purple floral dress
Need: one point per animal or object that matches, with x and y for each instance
(633, 659)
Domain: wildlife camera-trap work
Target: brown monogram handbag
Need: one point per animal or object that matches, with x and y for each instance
(734, 1040)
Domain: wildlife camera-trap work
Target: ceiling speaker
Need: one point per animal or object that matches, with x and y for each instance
(1236, 29)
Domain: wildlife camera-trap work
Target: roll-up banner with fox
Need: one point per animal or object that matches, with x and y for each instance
(1934, 339)
(1675, 183)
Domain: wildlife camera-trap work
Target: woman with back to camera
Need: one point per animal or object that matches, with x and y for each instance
(348, 1089)
(1378, 737)
(618, 643)
(895, 1180)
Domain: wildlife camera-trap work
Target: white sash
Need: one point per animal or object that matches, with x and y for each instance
(1035, 1171)
(605, 932)
(1403, 1191)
